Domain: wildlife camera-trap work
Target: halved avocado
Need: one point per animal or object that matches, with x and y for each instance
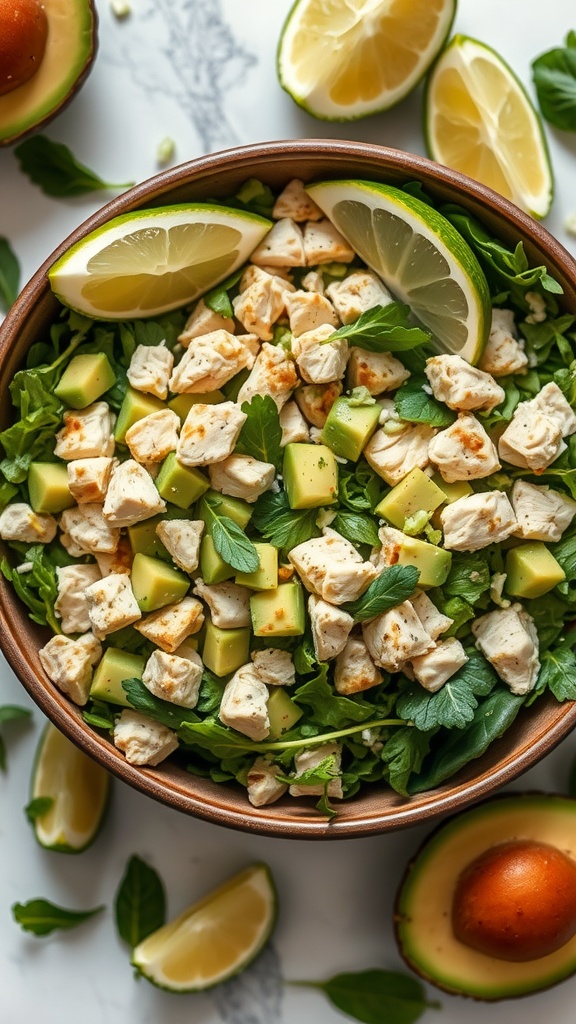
(424, 901)
(70, 50)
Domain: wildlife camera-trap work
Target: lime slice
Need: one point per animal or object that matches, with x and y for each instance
(419, 255)
(480, 120)
(213, 939)
(79, 789)
(150, 261)
(346, 60)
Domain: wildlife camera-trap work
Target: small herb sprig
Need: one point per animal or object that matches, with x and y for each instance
(554, 74)
(140, 904)
(375, 996)
(383, 329)
(41, 917)
(54, 168)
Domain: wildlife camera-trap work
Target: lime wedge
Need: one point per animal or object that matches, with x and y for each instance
(79, 789)
(151, 261)
(480, 120)
(419, 255)
(346, 60)
(213, 939)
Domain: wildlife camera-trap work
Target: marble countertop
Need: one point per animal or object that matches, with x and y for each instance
(203, 73)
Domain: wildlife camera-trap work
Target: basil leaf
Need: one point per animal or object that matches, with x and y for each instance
(383, 329)
(554, 75)
(230, 541)
(54, 168)
(163, 711)
(140, 904)
(393, 586)
(281, 525)
(9, 275)
(355, 527)
(10, 713)
(454, 704)
(414, 404)
(42, 917)
(558, 673)
(36, 808)
(261, 434)
(376, 996)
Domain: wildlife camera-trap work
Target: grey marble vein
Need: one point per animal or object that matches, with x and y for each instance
(255, 995)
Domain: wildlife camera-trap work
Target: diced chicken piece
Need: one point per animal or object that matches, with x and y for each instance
(396, 636)
(294, 426)
(313, 282)
(273, 374)
(203, 320)
(390, 547)
(330, 628)
(434, 669)
(188, 650)
(354, 669)
(319, 360)
(181, 538)
(19, 521)
(261, 302)
(71, 604)
(504, 354)
(275, 667)
(142, 740)
(283, 246)
(263, 786)
(244, 704)
(537, 305)
(463, 451)
(241, 476)
(294, 202)
(509, 641)
(308, 759)
(430, 616)
(316, 400)
(331, 567)
(88, 528)
(150, 369)
(551, 401)
(309, 310)
(323, 243)
(542, 513)
(173, 678)
(477, 520)
(394, 455)
(229, 603)
(210, 363)
(461, 386)
(254, 275)
(73, 549)
(153, 437)
(169, 626)
(88, 479)
(119, 560)
(87, 433)
(533, 438)
(251, 342)
(376, 371)
(356, 294)
(497, 581)
(68, 664)
(209, 433)
(131, 495)
(111, 604)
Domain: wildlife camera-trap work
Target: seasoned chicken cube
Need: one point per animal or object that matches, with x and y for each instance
(330, 628)
(88, 479)
(203, 320)
(153, 437)
(394, 455)
(71, 605)
(509, 641)
(331, 567)
(150, 369)
(209, 433)
(307, 759)
(263, 787)
(275, 667)
(119, 560)
(430, 616)
(169, 626)
(396, 636)
(537, 304)
(477, 520)
(323, 243)
(376, 371)
(356, 294)
(111, 604)
(229, 603)
(461, 386)
(436, 667)
(283, 246)
(294, 426)
(273, 374)
(294, 202)
(533, 438)
(261, 302)
(181, 538)
(463, 451)
(88, 528)
(19, 521)
(241, 476)
(551, 402)
(87, 433)
(316, 400)
(313, 282)
(142, 740)
(542, 513)
(504, 354)
(309, 310)
(319, 360)
(131, 495)
(244, 704)
(173, 678)
(354, 669)
(68, 664)
(210, 363)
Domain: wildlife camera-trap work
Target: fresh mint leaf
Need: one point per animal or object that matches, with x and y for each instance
(414, 404)
(554, 75)
(261, 434)
(230, 541)
(404, 753)
(162, 711)
(42, 917)
(54, 168)
(218, 299)
(383, 329)
(355, 527)
(9, 275)
(452, 706)
(37, 807)
(281, 525)
(140, 904)
(469, 576)
(558, 673)
(328, 707)
(393, 586)
(376, 996)
(10, 713)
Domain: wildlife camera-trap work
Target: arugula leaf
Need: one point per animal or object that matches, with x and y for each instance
(469, 576)
(558, 673)
(230, 541)
(360, 489)
(554, 74)
(328, 707)
(543, 336)
(53, 167)
(38, 589)
(210, 694)
(393, 586)
(376, 996)
(218, 299)
(11, 713)
(414, 404)
(42, 917)
(549, 613)
(9, 275)
(383, 329)
(321, 775)
(563, 469)
(162, 711)
(281, 525)
(261, 434)
(357, 528)
(454, 704)
(100, 715)
(566, 381)
(140, 904)
(37, 807)
(564, 552)
(404, 753)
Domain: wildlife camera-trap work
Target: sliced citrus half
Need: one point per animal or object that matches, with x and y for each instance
(344, 59)
(419, 255)
(480, 120)
(78, 789)
(151, 261)
(213, 939)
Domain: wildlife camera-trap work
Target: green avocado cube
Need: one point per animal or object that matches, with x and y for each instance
(415, 493)
(310, 475)
(135, 406)
(181, 404)
(454, 491)
(348, 427)
(531, 570)
(278, 612)
(85, 379)
(283, 713)
(213, 568)
(235, 509)
(48, 487)
(156, 584)
(266, 576)
(115, 666)
(144, 539)
(225, 650)
(182, 485)
(433, 562)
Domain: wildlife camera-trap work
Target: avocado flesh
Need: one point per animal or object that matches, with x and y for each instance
(85, 379)
(115, 666)
(415, 493)
(310, 475)
(213, 568)
(278, 612)
(181, 404)
(348, 427)
(283, 713)
(531, 570)
(182, 485)
(156, 584)
(48, 487)
(424, 901)
(136, 406)
(265, 577)
(225, 650)
(432, 563)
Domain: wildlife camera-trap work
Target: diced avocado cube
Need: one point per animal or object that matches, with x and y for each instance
(415, 493)
(266, 576)
(225, 650)
(278, 612)
(235, 509)
(531, 570)
(348, 427)
(182, 485)
(453, 491)
(85, 379)
(115, 666)
(310, 475)
(283, 713)
(48, 487)
(135, 406)
(155, 583)
(213, 568)
(434, 563)
(181, 404)
(144, 539)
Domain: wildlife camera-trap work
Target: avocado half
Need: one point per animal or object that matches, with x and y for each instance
(70, 50)
(424, 900)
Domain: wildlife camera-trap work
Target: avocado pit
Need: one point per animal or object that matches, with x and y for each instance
(23, 36)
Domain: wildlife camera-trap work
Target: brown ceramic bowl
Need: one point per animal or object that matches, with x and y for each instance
(536, 730)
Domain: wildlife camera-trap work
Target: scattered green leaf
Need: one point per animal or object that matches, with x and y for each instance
(281, 525)
(37, 807)
(376, 996)
(554, 74)
(415, 404)
(140, 904)
(9, 275)
(383, 329)
(41, 917)
(54, 168)
(393, 586)
(261, 434)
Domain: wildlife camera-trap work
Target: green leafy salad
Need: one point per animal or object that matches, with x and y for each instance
(286, 539)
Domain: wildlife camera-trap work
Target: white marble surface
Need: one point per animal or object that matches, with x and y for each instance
(202, 72)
